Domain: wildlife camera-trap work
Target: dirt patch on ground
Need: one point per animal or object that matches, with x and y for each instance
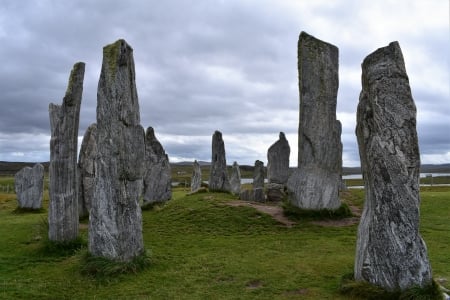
(274, 210)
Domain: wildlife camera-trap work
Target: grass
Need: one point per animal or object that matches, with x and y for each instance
(203, 248)
(297, 213)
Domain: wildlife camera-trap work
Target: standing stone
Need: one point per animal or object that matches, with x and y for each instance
(196, 181)
(29, 186)
(115, 220)
(258, 182)
(235, 179)
(390, 252)
(86, 170)
(157, 177)
(63, 188)
(218, 178)
(315, 184)
(278, 161)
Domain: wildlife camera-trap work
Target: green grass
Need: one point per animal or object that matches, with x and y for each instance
(202, 248)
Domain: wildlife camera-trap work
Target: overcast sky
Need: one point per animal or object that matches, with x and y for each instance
(213, 65)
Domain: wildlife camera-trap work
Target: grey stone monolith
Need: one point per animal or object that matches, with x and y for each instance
(86, 170)
(235, 179)
(63, 169)
(157, 176)
(196, 180)
(218, 178)
(390, 252)
(115, 220)
(315, 183)
(29, 186)
(258, 182)
(278, 161)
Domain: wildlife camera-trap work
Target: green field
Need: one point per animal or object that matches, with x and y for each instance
(203, 248)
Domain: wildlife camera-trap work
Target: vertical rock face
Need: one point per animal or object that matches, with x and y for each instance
(218, 178)
(29, 186)
(63, 188)
(158, 177)
(235, 179)
(278, 161)
(196, 181)
(258, 182)
(390, 252)
(115, 220)
(315, 184)
(86, 170)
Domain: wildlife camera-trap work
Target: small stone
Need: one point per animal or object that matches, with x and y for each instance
(258, 182)
(86, 170)
(158, 177)
(278, 161)
(218, 179)
(235, 179)
(275, 192)
(63, 169)
(390, 252)
(196, 181)
(29, 186)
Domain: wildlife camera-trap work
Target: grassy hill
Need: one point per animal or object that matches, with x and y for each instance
(203, 248)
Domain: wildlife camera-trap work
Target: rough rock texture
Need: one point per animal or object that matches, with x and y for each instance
(275, 192)
(86, 170)
(315, 184)
(258, 182)
(157, 177)
(196, 181)
(115, 220)
(390, 252)
(63, 188)
(235, 179)
(278, 161)
(247, 195)
(218, 178)
(29, 186)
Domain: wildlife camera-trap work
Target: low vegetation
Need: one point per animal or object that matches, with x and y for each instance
(202, 248)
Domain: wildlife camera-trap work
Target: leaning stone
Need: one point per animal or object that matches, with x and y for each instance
(315, 184)
(29, 186)
(63, 187)
(86, 170)
(390, 252)
(235, 179)
(115, 220)
(196, 181)
(258, 181)
(218, 179)
(157, 177)
(278, 161)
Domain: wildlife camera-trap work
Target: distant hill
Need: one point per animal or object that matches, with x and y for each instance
(11, 168)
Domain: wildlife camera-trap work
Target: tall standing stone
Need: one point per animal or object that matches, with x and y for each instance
(258, 182)
(390, 252)
(86, 170)
(278, 161)
(157, 176)
(115, 220)
(218, 179)
(196, 181)
(29, 186)
(315, 184)
(63, 188)
(235, 179)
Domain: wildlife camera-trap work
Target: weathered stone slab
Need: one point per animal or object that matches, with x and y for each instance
(218, 179)
(278, 161)
(275, 192)
(315, 184)
(157, 177)
(115, 220)
(86, 170)
(196, 181)
(235, 179)
(258, 182)
(390, 252)
(63, 187)
(29, 186)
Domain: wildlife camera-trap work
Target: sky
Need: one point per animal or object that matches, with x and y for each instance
(206, 65)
